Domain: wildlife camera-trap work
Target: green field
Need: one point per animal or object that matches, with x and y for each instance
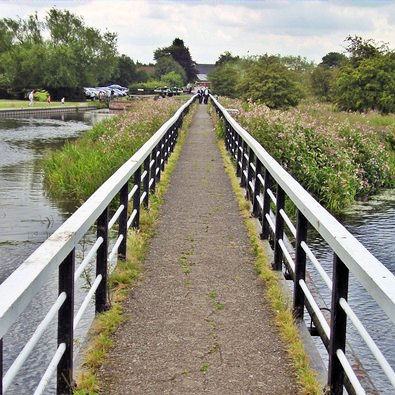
(6, 104)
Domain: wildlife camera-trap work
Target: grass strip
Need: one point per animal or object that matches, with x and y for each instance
(284, 319)
(124, 276)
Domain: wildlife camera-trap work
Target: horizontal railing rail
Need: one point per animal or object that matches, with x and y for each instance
(260, 174)
(57, 253)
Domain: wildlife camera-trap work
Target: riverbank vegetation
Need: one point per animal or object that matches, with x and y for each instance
(80, 167)
(337, 156)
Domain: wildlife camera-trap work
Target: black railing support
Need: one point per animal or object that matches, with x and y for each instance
(233, 143)
(243, 178)
(257, 189)
(238, 157)
(153, 171)
(136, 198)
(250, 192)
(1, 366)
(162, 152)
(300, 265)
(227, 139)
(65, 325)
(266, 207)
(102, 262)
(279, 233)
(166, 147)
(123, 221)
(337, 326)
(157, 160)
(146, 181)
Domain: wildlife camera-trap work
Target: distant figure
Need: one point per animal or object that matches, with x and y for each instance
(206, 94)
(31, 97)
(62, 100)
(49, 99)
(200, 95)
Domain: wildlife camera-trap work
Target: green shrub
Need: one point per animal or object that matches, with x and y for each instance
(41, 95)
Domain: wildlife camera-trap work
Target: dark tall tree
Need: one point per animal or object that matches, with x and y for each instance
(181, 55)
(333, 59)
(226, 57)
(126, 71)
(360, 49)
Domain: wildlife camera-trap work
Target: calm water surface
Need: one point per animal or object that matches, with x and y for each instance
(28, 217)
(373, 224)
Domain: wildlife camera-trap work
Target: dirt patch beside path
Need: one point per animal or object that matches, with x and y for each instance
(198, 322)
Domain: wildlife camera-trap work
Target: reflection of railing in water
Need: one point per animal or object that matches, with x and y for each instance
(258, 171)
(58, 251)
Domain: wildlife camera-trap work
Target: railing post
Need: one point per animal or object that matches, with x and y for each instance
(102, 262)
(338, 326)
(300, 265)
(157, 159)
(1, 366)
(243, 166)
(266, 206)
(162, 152)
(226, 135)
(250, 193)
(239, 153)
(233, 143)
(146, 181)
(136, 198)
(279, 233)
(153, 171)
(166, 146)
(123, 221)
(66, 325)
(257, 188)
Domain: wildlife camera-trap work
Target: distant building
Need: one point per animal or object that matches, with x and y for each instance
(202, 74)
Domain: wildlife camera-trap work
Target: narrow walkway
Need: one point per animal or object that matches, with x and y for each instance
(197, 322)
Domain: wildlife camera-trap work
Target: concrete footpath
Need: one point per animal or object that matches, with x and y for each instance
(197, 322)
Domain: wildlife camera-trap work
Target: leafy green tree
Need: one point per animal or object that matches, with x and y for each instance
(125, 72)
(225, 78)
(269, 82)
(360, 49)
(322, 81)
(226, 57)
(172, 79)
(181, 55)
(166, 65)
(333, 59)
(370, 85)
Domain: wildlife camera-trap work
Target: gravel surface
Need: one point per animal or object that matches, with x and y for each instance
(198, 322)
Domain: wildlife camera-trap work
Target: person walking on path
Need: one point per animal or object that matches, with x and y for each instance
(198, 322)
(200, 95)
(206, 95)
(31, 97)
(62, 101)
(49, 99)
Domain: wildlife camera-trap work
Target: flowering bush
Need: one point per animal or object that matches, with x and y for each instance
(336, 157)
(80, 167)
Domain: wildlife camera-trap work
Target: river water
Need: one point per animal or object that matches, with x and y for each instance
(28, 217)
(373, 224)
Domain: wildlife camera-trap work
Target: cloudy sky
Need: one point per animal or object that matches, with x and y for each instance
(210, 27)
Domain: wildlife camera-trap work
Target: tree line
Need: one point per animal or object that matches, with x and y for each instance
(62, 54)
(361, 79)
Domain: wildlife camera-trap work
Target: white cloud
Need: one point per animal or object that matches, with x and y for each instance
(209, 27)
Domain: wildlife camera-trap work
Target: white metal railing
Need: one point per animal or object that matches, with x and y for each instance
(349, 253)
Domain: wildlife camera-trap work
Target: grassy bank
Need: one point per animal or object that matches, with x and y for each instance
(80, 167)
(337, 156)
(306, 377)
(7, 104)
(123, 277)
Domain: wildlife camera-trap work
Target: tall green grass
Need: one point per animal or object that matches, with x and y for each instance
(80, 167)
